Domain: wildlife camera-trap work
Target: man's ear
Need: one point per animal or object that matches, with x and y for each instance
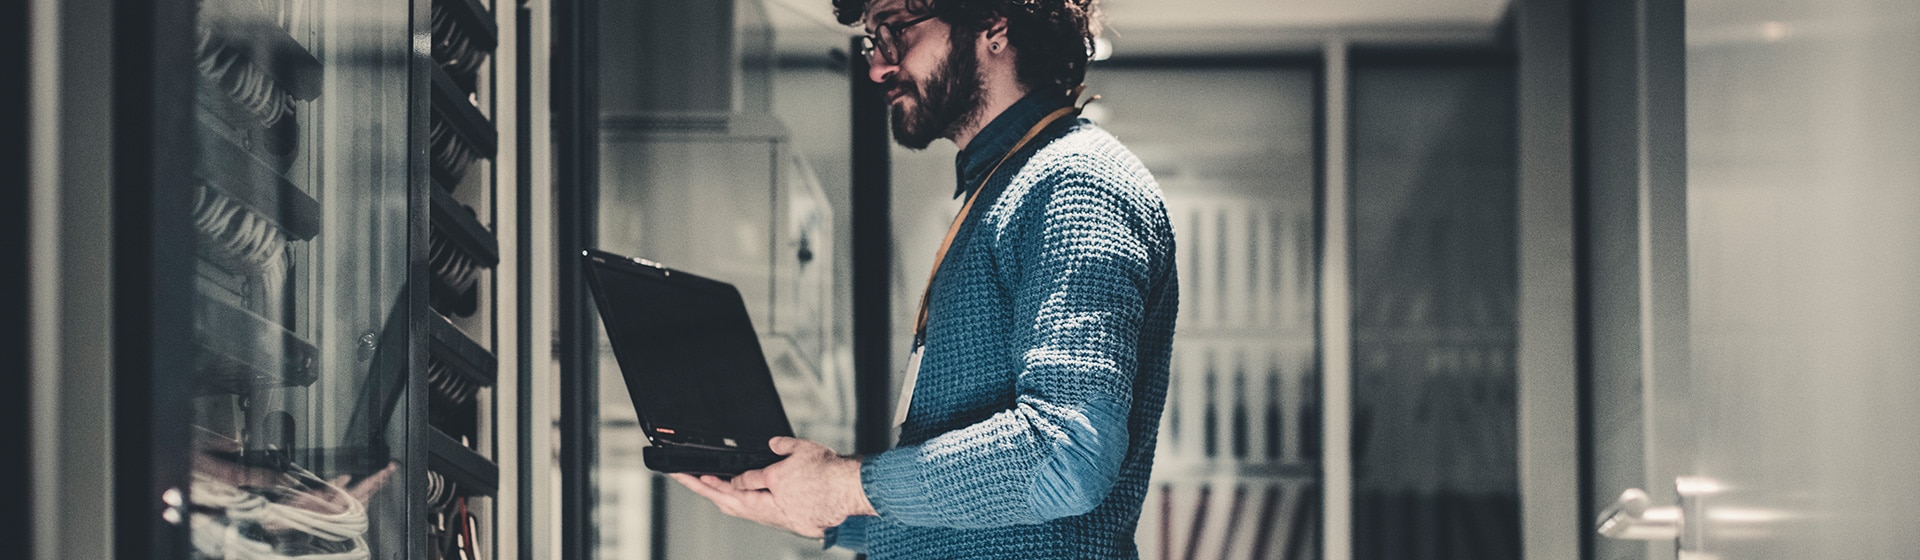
(997, 29)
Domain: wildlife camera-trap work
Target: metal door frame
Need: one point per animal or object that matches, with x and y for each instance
(1632, 256)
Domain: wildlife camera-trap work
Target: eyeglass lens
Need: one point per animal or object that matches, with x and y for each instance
(883, 43)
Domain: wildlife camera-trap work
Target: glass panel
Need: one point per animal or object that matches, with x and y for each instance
(1236, 474)
(1803, 187)
(1435, 471)
(301, 318)
(741, 186)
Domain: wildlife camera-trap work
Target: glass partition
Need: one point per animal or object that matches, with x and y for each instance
(730, 163)
(301, 309)
(1803, 277)
(1434, 427)
(1235, 150)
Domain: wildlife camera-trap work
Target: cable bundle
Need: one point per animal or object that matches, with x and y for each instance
(246, 84)
(452, 265)
(440, 491)
(450, 152)
(452, 528)
(452, 533)
(281, 522)
(453, 45)
(451, 384)
(239, 239)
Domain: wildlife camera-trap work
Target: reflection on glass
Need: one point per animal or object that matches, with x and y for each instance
(727, 165)
(1236, 471)
(300, 318)
(1435, 472)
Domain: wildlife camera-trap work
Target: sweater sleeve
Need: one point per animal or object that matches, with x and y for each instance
(850, 534)
(1082, 266)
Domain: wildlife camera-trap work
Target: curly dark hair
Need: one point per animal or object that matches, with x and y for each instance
(1054, 38)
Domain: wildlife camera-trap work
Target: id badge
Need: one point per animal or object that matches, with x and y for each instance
(906, 386)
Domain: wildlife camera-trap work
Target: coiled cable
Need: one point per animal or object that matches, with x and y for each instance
(453, 45)
(450, 152)
(236, 522)
(452, 265)
(237, 238)
(248, 86)
(451, 384)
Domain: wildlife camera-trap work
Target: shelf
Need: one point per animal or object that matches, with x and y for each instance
(465, 468)
(240, 351)
(459, 224)
(454, 348)
(477, 19)
(240, 175)
(242, 23)
(451, 104)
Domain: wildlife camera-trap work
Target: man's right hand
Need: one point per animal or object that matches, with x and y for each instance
(752, 505)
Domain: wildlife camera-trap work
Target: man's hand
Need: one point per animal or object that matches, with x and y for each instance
(753, 505)
(809, 491)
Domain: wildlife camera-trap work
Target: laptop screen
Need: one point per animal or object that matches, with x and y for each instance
(689, 355)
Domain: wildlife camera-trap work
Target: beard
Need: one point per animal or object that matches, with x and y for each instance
(944, 104)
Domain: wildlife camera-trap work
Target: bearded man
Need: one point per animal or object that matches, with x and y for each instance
(1039, 369)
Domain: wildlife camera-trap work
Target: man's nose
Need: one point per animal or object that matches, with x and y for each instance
(879, 70)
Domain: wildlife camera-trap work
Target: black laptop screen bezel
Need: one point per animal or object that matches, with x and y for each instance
(682, 436)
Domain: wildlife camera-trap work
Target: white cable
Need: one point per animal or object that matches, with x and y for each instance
(237, 237)
(243, 507)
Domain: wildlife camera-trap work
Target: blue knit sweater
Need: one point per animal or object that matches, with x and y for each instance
(1033, 421)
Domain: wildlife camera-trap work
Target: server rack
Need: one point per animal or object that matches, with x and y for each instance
(305, 314)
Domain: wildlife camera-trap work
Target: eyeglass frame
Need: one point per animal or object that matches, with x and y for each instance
(892, 33)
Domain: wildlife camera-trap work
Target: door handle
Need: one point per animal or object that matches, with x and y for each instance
(1635, 517)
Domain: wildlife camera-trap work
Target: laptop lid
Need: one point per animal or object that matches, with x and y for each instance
(688, 352)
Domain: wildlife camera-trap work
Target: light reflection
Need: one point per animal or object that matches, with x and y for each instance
(1748, 515)
(1698, 486)
(1102, 48)
(1776, 31)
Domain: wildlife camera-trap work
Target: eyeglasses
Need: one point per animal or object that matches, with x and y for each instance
(886, 40)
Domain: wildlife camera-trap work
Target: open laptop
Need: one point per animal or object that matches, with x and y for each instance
(692, 363)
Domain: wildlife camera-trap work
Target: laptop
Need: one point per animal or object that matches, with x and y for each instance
(692, 364)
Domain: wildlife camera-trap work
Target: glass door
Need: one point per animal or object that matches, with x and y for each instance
(1803, 269)
(301, 309)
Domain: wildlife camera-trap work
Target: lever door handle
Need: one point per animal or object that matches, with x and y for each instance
(1635, 517)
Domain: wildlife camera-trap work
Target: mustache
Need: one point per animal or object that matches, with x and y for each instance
(897, 86)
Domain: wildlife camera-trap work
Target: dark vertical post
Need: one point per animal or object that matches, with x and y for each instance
(418, 289)
(872, 258)
(15, 540)
(576, 117)
(152, 241)
(523, 219)
(1631, 210)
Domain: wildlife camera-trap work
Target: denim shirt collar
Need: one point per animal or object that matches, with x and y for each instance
(993, 141)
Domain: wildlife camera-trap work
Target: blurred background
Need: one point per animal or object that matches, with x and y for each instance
(1462, 279)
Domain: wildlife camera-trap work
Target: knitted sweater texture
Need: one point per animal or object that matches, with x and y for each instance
(1032, 426)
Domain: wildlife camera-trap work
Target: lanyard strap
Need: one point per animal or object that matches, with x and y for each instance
(920, 323)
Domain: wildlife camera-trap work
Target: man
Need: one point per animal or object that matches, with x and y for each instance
(1042, 345)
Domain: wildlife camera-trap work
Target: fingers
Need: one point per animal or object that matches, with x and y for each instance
(782, 445)
(751, 480)
(753, 505)
(727, 503)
